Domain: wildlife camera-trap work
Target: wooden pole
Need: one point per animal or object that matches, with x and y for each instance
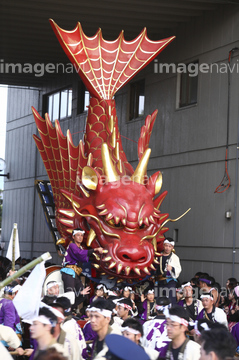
(44, 257)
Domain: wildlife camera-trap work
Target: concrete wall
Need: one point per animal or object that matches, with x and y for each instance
(188, 146)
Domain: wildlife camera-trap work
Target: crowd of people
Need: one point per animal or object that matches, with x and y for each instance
(158, 318)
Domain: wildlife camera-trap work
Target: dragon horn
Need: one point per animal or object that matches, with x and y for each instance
(141, 170)
(108, 166)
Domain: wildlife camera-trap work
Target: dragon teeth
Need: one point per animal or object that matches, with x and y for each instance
(112, 265)
(96, 266)
(119, 268)
(136, 269)
(152, 267)
(107, 258)
(146, 270)
(96, 256)
(127, 270)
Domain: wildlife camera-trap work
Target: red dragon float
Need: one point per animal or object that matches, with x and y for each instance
(93, 184)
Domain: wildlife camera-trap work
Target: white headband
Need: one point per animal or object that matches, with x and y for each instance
(175, 318)
(127, 288)
(101, 286)
(104, 312)
(203, 325)
(51, 284)
(206, 296)
(57, 312)
(12, 290)
(132, 331)
(42, 319)
(78, 231)
(162, 307)
(150, 291)
(169, 242)
(187, 284)
(125, 306)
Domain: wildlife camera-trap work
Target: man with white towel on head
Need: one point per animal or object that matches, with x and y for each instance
(168, 271)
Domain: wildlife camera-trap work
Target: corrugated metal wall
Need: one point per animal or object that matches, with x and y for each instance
(188, 146)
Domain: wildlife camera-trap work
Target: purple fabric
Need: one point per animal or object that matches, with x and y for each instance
(205, 280)
(156, 334)
(180, 303)
(8, 314)
(89, 334)
(235, 333)
(75, 255)
(144, 313)
(164, 350)
(200, 315)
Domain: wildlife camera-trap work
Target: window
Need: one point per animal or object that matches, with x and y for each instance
(83, 98)
(137, 99)
(59, 104)
(187, 85)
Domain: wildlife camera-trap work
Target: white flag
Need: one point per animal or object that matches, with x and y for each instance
(27, 301)
(17, 248)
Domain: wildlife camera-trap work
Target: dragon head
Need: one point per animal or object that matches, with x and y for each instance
(121, 215)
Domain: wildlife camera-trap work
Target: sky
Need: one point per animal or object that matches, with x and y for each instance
(3, 116)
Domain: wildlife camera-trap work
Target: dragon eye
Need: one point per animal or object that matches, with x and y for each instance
(142, 226)
(112, 223)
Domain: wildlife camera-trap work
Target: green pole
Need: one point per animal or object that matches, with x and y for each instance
(44, 257)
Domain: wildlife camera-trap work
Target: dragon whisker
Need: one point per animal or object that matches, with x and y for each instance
(162, 225)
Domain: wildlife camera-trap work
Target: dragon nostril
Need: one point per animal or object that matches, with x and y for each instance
(131, 258)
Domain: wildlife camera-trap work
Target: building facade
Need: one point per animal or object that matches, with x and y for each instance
(198, 117)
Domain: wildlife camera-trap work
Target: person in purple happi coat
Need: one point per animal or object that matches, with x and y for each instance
(72, 266)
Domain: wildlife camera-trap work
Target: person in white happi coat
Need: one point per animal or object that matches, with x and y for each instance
(133, 330)
(168, 270)
(180, 348)
(211, 312)
(155, 332)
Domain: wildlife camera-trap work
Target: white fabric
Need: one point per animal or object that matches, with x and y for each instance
(8, 334)
(169, 242)
(158, 338)
(27, 300)
(71, 348)
(52, 283)
(153, 354)
(4, 353)
(78, 231)
(69, 295)
(185, 285)
(71, 327)
(42, 319)
(206, 296)
(57, 312)
(175, 263)
(192, 351)
(175, 318)
(127, 328)
(104, 312)
(221, 317)
(17, 248)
